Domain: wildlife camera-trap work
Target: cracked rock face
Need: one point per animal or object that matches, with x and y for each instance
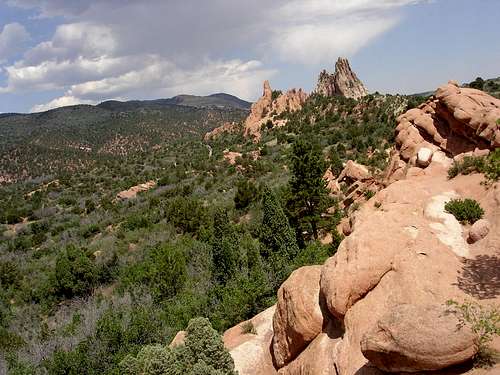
(343, 82)
(456, 120)
(434, 339)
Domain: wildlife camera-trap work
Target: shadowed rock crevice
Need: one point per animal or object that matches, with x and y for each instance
(480, 277)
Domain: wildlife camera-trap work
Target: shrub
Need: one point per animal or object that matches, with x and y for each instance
(164, 270)
(492, 166)
(75, 274)
(464, 210)
(468, 165)
(136, 222)
(202, 354)
(489, 165)
(369, 194)
(246, 193)
(248, 327)
(484, 322)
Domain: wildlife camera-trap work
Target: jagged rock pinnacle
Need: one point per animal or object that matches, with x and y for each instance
(343, 82)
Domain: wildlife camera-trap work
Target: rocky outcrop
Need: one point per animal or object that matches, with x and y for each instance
(343, 82)
(134, 190)
(385, 290)
(251, 351)
(298, 318)
(352, 184)
(455, 120)
(266, 109)
(226, 128)
(231, 156)
(178, 340)
(432, 339)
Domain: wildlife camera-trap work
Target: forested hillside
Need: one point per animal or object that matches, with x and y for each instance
(88, 278)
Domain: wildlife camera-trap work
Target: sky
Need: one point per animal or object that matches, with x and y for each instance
(64, 52)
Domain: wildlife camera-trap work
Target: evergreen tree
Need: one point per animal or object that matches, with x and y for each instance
(278, 237)
(275, 231)
(225, 247)
(336, 164)
(245, 194)
(309, 196)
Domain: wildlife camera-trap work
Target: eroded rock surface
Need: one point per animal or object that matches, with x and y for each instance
(456, 120)
(266, 109)
(251, 351)
(405, 257)
(298, 318)
(342, 82)
(418, 338)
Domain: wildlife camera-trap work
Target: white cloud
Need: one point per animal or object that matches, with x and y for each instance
(12, 38)
(150, 48)
(60, 102)
(317, 43)
(158, 78)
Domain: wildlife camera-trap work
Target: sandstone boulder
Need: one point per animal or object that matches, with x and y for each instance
(298, 318)
(418, 338)
(456, 119)
(320, 355)
(178, 339)
(343, 82)
(251, 351)
(354, 172)
(479, 230)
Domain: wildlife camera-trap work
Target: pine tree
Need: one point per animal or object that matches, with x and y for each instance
(275, 231)
(309, 196)
(225, 247)
(278, 237)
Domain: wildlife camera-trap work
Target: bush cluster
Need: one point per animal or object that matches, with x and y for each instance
(465, 210)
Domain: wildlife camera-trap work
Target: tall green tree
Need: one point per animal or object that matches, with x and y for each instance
(225, 247)
(277, 236)
(308, 193)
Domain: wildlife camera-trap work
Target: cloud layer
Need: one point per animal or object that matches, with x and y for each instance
(145, 49)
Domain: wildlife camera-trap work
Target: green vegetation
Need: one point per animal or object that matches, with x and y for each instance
(491, 86)
(89, 281)
(468, 165)
(202, 353)
(308, 194)
(484, 322)
(489, 165)
(276, 94)
(248, 327)
(465, 210)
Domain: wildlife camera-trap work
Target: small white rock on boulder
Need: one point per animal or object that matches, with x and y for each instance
(424, 157)
(413, 338)
(479, 230)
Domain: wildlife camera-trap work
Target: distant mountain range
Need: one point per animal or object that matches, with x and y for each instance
(219, 100)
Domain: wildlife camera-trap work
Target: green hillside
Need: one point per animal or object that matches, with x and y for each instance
(87, 279)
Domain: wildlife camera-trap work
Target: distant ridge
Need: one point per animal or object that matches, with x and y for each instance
(219, 100)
